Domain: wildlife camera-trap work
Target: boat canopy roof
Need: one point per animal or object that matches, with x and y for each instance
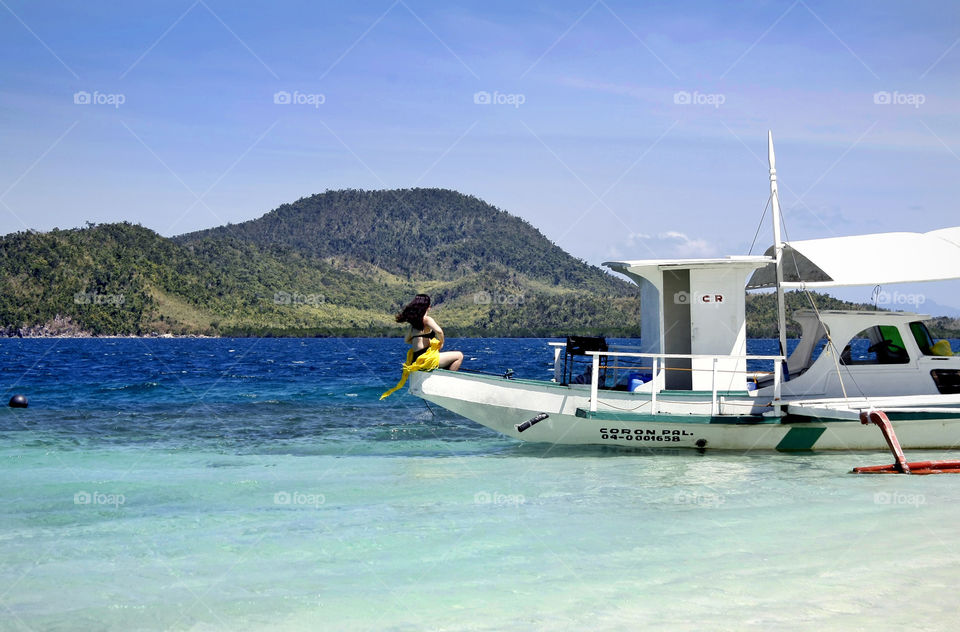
(880, 258)
(647, 267)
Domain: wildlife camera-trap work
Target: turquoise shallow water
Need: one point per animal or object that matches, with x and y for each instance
(223, 485)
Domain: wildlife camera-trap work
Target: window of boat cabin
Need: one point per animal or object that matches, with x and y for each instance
(880, 344)
(922, 335)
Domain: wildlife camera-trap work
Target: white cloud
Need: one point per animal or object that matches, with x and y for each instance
(680, 244)
(665, 245)
(640, 93)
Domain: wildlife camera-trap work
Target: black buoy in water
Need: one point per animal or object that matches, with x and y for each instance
(18, 401)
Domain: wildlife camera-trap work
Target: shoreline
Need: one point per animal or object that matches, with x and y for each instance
(619, 335)
(196, 336)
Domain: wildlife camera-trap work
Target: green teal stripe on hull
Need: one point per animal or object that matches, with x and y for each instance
(800, 439)
(665, 394)
(606, 415)
(920, 416)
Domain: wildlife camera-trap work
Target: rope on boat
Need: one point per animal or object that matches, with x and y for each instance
(760, 225)
(507, 375)
(627, 410)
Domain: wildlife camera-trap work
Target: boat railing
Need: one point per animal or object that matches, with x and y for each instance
(558, 357)
(657, 365)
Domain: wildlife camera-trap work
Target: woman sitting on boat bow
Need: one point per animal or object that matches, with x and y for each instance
(425, 338)
(424, 329)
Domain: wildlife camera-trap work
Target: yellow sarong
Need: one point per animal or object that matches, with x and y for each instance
(428, 361)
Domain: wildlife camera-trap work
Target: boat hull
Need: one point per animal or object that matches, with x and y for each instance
(625, 419)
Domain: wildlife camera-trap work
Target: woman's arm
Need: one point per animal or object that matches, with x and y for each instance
(409, 337)
(432, 324)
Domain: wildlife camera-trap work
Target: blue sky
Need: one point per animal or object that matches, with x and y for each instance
(620, 130)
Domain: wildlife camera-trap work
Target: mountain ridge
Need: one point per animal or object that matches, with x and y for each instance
(431, 229)
(334, 263)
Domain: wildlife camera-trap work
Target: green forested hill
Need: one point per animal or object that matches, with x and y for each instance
(416, 234)
(125, 279)
(337, 263)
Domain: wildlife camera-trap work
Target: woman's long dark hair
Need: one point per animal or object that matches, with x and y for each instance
(414, 311)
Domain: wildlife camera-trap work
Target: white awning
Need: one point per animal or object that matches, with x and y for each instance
(647, 267)
(881, 258)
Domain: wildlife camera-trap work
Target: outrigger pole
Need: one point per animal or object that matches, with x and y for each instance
(778, 248)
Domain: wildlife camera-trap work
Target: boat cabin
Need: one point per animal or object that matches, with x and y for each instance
(873, 353)
(693, 315)
(694, 309)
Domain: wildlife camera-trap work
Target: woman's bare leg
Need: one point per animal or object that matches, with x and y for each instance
(451, 360)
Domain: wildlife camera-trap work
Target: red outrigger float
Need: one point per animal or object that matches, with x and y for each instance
(900, 466)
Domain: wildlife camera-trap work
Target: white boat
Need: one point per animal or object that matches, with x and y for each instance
(691, 384)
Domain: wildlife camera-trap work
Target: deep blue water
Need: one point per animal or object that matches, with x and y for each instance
(248, 394)
(298, 395)
(222, 484)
